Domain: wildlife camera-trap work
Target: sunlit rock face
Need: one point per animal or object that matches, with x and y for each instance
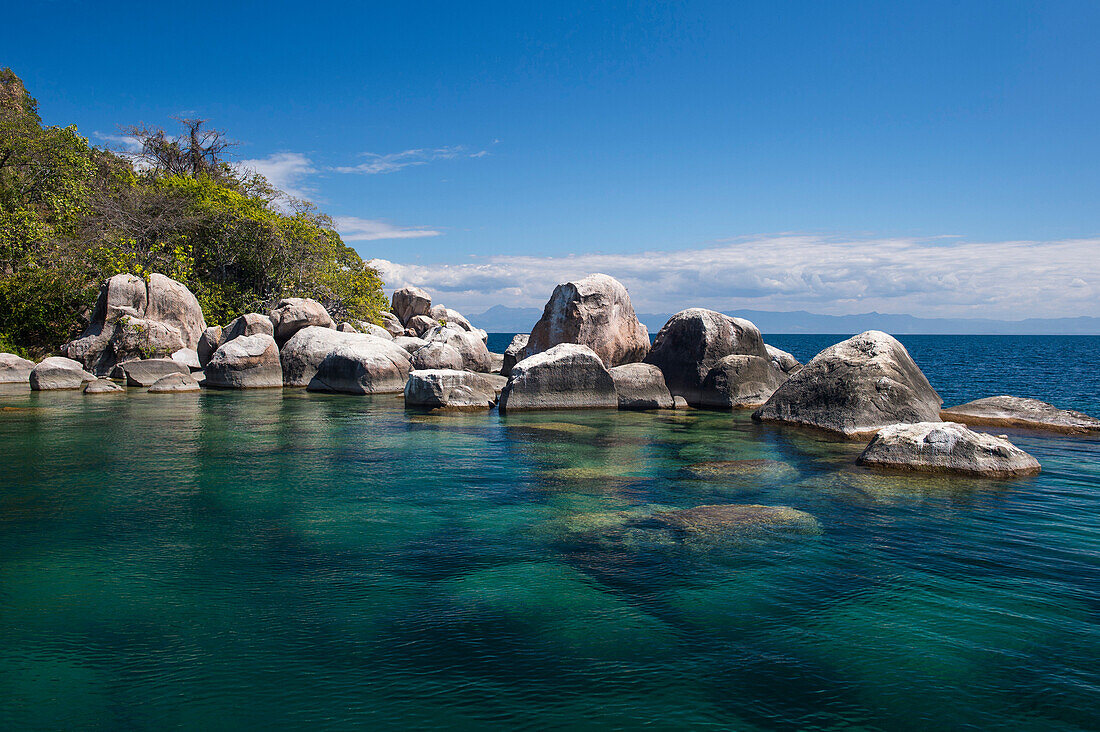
(596, 312)
(692, 343)
(855, 388)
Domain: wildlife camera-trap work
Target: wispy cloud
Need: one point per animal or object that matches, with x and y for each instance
(287, 171)
(924, 277)
(375, 163)
(352, 228)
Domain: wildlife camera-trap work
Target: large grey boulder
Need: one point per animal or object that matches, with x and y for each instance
(692, 343)
(246, 325)
(146, 372)
(189, 357)
(103, 386)
(475, 354)
(736, 518)
(392, 325)
(122, 294)
(782, 360)
(409, 343)
(640, 386)
(452, 389)
(374, 330)
(304, 352)
(740, 382)
(135, 338)
(568, 376)
(158, 317)
(209, 341)
(58, 372)
(292, 314)
(1010, 411)
(437, 355)
(855, 388)
(514, 352)
(420, 324)
(449, 316)
(248, 362)
(174, 383)
(946, 447)
(594, 311)
(14, 369)
(365, 365)
(173, 304)
(408, 302)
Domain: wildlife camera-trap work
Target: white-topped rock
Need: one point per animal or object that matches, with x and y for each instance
(855, 388)
(568, 376)
(946, 447)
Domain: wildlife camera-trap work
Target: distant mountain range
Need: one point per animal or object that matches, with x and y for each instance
(502, 319)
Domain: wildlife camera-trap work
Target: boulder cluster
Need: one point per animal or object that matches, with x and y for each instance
(587, 351)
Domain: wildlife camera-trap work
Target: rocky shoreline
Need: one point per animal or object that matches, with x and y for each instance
(587, 351)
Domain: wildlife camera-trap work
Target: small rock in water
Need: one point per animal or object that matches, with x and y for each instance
(735, 518)
(14, 369)
(174, 383)
(947, 447)
(1010, 411)
(103, 386)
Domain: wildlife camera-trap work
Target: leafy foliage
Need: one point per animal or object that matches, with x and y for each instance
(72, 215)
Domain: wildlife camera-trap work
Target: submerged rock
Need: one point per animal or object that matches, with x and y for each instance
(740, 382)
(640, 386)
(946, 447)
(594, 311)
(1010, 411)
(514, 353)
(174, 383)
(365, 365)
(103, 386)
(754, 467)
(292, 314)
(452, 389)
(58, 372)
(568, 376)
(146, 372)
(855, 388)
(248, 362)
(14, 369)
(692, 343)
(735, 518)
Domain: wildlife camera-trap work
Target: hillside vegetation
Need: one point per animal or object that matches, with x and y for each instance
(72, 214)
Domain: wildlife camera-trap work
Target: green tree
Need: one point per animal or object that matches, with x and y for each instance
(72, 215)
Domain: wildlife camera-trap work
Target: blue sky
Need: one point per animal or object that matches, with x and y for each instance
(932, 158)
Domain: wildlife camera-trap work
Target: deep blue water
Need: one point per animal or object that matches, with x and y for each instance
(287, 560)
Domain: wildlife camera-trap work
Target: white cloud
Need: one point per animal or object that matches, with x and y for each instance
(375, 163)
(285, 170)
(352, 228)
(942, 277)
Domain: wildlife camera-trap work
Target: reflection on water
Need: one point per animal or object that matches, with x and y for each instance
(293, 559)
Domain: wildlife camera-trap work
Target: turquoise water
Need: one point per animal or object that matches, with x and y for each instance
(286, 560)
